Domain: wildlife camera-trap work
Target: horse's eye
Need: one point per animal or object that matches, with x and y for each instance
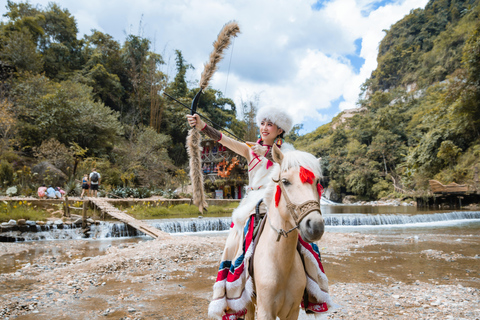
(285, 182)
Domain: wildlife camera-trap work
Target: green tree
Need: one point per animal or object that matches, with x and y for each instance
(59, 45)
(145, 81)
(448, 152)
(103, 69)
(7, 126)
(249, 114)
(386, 147)
(65, 111)
(23, 17)
(178, 87)
(144, 158)
(19, 49)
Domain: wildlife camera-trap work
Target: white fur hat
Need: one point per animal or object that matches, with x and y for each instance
(277, 116)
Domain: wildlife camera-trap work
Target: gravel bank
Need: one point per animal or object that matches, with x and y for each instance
(172, 279)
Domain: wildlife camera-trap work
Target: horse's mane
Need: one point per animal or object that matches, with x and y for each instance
(292, 160)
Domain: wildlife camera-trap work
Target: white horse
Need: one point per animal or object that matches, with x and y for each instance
(279, 274)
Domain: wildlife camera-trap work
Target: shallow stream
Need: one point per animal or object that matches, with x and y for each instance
(440, 251)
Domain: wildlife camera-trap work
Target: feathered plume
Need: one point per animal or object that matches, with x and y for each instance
(193, 150)
(229, 30)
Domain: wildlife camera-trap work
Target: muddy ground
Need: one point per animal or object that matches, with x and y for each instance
(427, 276)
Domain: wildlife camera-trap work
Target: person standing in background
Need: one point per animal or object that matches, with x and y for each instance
(94, 180)
(85, 185)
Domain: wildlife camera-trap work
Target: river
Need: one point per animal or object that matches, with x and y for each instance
(373, 256)
(407, 235)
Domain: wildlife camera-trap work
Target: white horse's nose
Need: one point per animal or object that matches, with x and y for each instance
(312, 227)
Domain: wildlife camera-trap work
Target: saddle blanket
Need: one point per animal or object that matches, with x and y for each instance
(233, 288)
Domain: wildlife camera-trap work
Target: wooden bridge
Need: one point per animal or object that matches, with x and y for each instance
(107, 208)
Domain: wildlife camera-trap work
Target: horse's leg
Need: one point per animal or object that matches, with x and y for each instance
(265, 313)
(293, 315)
(250, 311)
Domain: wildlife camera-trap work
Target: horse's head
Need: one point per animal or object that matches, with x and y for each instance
(297, 192)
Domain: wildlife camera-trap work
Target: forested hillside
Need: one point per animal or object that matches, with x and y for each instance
(69, 102)
(419, 113)
(67, 105)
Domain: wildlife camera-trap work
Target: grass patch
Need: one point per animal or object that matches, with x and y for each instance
(22, 210)
(154, 211)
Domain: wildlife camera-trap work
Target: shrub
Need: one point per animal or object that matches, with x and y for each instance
(73, 188)
(127, 192)
(152, 210)
(12, 191)
(6, 173)
(21, 210)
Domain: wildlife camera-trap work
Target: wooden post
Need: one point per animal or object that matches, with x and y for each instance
(66, 211)
(84, 220)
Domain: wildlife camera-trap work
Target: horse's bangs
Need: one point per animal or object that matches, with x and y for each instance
(296, 159)
(293, 160)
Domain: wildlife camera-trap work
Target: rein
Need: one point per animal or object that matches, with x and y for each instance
(304, 209)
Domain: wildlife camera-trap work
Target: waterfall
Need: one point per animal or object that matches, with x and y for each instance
(104, 230)
(111, 230)
(396, 219)
(193, 225)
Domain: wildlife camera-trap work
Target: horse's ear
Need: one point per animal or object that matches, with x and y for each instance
(277, 154)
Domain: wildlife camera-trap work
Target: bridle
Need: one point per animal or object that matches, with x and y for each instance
(298, 212)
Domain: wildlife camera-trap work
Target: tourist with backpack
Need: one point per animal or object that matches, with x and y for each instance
(94, 180)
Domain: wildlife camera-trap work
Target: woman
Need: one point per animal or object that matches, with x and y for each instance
(85, 185)
(230, 293)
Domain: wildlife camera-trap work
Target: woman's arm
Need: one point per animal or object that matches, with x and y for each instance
(234, 145)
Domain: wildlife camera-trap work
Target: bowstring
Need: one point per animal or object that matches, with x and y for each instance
(229, 64)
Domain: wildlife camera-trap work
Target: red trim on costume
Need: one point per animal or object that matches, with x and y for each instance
(306, 175)
(204, 127)
(307, 246)
(254, 165)
(316, 307)
(222, 274)
(278, 193)
(232, 277)
(236, 315)
(236, 275)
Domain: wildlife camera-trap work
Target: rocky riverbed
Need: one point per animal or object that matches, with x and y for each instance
(427, 276)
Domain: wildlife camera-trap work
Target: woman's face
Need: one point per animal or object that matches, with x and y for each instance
(269, 131)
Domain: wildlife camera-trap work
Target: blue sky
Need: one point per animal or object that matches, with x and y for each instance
(306, 57)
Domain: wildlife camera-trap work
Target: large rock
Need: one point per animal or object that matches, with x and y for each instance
(49, 174)
(330, 194)
(349, 199)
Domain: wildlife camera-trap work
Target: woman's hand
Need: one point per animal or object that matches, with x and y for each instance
(259, 150)
(195, 122)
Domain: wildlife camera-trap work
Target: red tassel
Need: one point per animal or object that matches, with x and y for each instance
(319, 189)
(306, 175)
(277, 195)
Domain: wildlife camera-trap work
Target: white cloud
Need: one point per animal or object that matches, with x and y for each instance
(291, 55)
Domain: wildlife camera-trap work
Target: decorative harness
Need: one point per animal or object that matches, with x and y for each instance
(298, 212)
